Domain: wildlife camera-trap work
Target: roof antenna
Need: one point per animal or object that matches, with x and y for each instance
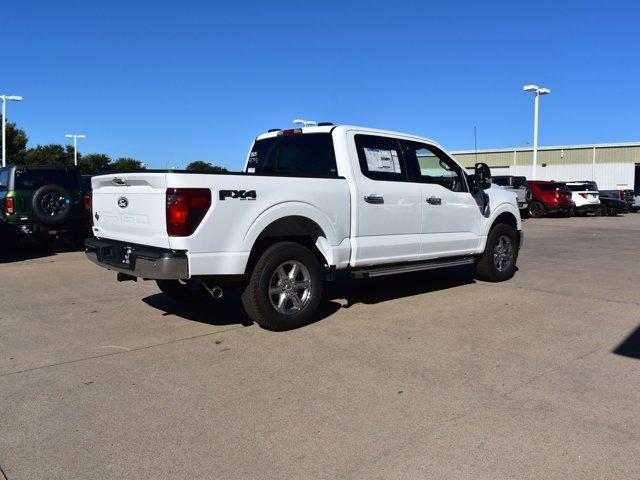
(305, 123)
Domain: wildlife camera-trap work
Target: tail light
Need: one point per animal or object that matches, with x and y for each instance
(289, 131)
(87, 202)
(584, 195)
(621, 194)
(186, 207)
(9, 205)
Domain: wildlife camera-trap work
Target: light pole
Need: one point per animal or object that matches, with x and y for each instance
(15, 98)
(75, 146)
(538, 91)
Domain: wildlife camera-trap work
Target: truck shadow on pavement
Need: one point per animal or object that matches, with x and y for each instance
(343, 293)
(630, 346)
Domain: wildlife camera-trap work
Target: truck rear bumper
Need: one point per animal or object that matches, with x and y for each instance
(138, 260)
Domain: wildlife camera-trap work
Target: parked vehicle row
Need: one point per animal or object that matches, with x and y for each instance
(538, 198)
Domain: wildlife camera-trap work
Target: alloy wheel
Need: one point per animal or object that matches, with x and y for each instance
(290, 287)
(503, 253)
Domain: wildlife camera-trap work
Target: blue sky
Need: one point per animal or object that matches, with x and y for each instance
(173, 82)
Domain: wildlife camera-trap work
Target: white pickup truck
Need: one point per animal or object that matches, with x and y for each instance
(310, 201)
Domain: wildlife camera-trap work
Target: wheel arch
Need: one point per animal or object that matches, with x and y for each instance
(507, 214)
(296, 228)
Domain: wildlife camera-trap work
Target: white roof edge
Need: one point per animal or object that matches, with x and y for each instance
(558, 147)
(328, 128)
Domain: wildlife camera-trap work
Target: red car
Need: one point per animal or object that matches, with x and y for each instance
(549, 197)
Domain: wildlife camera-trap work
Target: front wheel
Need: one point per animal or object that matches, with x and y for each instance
(498, 262)
(284, 289)
(183, 291)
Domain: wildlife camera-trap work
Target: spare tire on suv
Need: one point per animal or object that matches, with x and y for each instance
(51, 204)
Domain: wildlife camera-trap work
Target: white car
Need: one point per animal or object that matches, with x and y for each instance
(310, 201)
(585, 197)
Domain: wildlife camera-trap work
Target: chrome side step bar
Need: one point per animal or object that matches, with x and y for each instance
(411, 267)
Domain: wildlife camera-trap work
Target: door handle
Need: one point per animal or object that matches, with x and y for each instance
(375, 199)
(434, 201)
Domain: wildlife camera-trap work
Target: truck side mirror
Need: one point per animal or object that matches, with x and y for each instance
(482, 176)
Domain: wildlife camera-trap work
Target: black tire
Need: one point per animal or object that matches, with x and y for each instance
(487, 269)
(51, 204)
(183, 291)
(258, 295)
(602, 210)
(536, 209)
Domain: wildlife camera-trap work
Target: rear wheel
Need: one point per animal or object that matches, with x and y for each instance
(602, 210)
(536, 209)
(498, 262)
(183, 291)
(284, 288)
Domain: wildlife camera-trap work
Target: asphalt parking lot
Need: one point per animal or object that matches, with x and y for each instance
(422, 376)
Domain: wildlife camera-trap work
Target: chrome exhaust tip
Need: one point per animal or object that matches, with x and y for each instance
(216, 292)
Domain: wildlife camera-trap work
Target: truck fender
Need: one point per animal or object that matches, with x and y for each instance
(283, 210)
(503, 208)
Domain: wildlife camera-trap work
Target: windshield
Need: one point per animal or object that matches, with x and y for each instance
(29, 179)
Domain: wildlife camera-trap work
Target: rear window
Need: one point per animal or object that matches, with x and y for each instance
(502, 181)
(4, 179)
(33, 179)
(519, 181)
(548, 187)
(303, 155)
(582, 188)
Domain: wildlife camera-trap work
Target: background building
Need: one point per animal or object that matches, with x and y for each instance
(611, 165)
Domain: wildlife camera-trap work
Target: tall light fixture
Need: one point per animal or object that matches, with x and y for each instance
(75, 145)
(537, 91)
(14, 98)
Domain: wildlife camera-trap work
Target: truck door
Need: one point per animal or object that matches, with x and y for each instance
(451, 217)
(388, 210)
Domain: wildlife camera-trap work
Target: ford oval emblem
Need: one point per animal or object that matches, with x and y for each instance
(123, 202)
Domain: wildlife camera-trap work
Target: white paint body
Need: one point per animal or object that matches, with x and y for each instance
(404, 228)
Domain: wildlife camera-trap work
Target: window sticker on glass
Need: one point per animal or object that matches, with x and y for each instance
(382, 160)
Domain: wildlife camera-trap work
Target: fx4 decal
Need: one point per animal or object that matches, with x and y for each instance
(241, 194)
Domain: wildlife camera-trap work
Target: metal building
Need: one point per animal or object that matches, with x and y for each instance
(611, 165)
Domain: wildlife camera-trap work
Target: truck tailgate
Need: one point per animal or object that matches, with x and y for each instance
(131, 207)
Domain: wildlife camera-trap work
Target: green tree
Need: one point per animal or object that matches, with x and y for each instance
(49, 155)
(126, 163)
(16, 143)
(93, 163)
(200, 166)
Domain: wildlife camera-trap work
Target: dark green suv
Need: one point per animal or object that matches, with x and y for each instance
(43, 202)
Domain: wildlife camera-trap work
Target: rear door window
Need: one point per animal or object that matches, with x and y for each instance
(380, 158)
(302, 155)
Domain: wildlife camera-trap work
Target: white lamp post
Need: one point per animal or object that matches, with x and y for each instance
(538, 91)
(75, 145)
(15, 98)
